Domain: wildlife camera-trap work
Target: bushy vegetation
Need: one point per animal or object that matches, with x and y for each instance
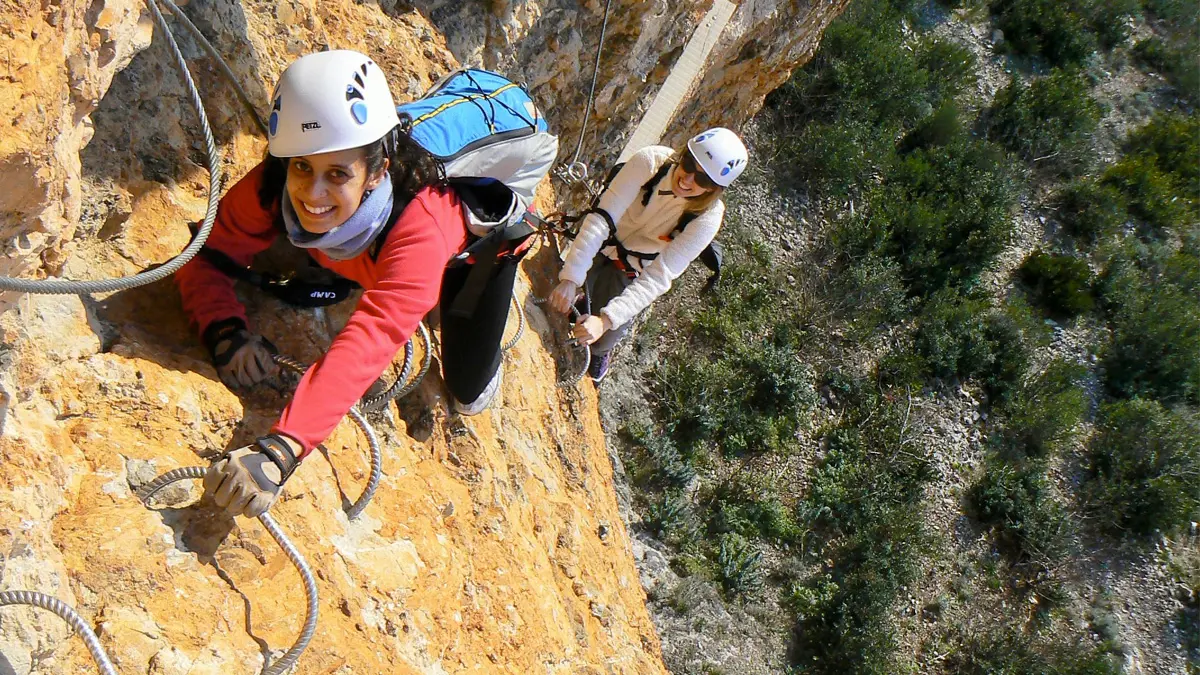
(912, 193)
(962, 337)
(840, 115)
(1031, 525)
(1043, 414)
(1064, 32)
(1091, 211)
(942, 213)
(1014, 653)
(1153, 298)
(1049, 122)
(1061, 284)
(750, 400)
(1145, 467)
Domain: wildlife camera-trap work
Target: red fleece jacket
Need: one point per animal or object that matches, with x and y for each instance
(401, 286)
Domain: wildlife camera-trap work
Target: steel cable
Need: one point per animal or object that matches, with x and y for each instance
(289, 658)
(372, 441)
(63, 610)
(587, 353)
(520, 326)
(74, 287)
(225, 70)
(402, 386)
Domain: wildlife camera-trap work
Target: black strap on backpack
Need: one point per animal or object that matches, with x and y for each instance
(491, 202)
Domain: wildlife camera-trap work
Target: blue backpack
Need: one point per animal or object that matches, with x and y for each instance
(486, 130)
(496, 147)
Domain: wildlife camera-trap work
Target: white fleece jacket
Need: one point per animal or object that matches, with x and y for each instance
(645, 229)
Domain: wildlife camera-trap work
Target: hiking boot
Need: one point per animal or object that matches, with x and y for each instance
(484, 400)
(598, 368)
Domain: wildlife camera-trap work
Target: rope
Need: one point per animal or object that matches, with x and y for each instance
(587, 353)
(399, 388)
(225, 70)
(72, 287)
(372, 441)
(520, 326)
(292, 655)
(62, 609)
(577, 170)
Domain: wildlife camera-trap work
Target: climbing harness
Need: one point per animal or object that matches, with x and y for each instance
(372, 440)
(64, 611)
(74, 287)
(285, 662)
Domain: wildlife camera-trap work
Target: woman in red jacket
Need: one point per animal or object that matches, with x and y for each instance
(342, 180)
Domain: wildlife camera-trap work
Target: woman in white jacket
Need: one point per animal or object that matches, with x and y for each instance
(661, 210)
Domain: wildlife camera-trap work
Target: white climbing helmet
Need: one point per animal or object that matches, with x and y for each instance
(329, 101)
(720, 153)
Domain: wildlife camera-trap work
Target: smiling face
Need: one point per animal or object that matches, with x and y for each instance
(327, 188)
(688, 180)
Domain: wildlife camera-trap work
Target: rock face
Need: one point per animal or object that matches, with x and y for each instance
(551, 46)
(494, 543)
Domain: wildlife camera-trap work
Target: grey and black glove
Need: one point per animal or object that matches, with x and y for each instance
(248, 480)
(241, 358)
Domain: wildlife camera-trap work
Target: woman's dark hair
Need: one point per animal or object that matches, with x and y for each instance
(411, 168)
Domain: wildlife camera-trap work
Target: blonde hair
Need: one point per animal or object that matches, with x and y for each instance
(703, 202)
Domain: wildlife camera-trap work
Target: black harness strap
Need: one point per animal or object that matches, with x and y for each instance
(485, 250)
(624, 254)
(293, 291)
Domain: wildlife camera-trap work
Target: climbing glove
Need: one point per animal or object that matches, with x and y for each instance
(241, 357)
(247, 480)
(564, 296)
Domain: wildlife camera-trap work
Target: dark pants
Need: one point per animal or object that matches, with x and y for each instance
(604, 282)
(471, 346)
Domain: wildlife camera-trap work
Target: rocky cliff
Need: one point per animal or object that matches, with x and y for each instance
(494, 543)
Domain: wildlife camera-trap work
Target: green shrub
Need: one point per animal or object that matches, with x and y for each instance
(940, 128)
(845, 625)
(1172, 141)
(836, 120)
(1059, 283)
(1030, 524)
(1153, 297)
(739, 566)
(871, 294)
(670, 518)
(1090, 210)
(1150, 193)
(1050, 121)
(1043, 414)
(1144, 467)
(748, 400)
(1013, 653)
(952, 69)
(1053, 29)
(751, 507)
(942, 213)
(1109, 19)
(1176, 62)
(961, 337)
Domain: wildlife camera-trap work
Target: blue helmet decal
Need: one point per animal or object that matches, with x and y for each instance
(273, 123)
(354, 92)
